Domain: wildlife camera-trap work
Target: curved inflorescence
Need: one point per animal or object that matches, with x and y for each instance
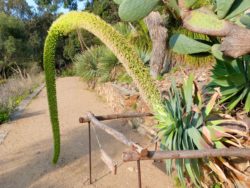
(118, 44)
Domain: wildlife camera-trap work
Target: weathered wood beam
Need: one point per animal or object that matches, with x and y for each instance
(115, 116)
(188, 154)
(112, 165)
(117, 135)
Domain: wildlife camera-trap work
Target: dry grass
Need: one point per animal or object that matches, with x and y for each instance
(14, 90)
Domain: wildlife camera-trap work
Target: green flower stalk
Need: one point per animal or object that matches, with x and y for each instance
(118, 44)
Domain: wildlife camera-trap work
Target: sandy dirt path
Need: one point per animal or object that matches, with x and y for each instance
(26, 153)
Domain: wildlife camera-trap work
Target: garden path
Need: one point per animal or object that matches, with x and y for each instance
(26, 153)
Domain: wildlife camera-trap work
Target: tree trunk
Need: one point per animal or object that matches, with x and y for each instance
(158, 34)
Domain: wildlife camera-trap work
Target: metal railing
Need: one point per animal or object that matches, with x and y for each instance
(139, 153)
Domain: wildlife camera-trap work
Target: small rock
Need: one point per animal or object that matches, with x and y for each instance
(141, 131)
(3, 136)
(131, 169)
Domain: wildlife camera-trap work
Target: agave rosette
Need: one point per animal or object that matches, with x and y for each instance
(233, 78)
(186, 124)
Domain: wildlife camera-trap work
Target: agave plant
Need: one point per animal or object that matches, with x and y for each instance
(233, 78)
(97, 63)
(188, 125)
(86, 65)
(109, 66)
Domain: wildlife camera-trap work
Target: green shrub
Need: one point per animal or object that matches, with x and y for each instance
(97, 64)
(4, 115)
(69, 71)
(86, 64)
(109, 66)
(13, 91)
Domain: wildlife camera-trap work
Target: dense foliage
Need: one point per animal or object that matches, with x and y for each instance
(191, 124)
(23, 30)
(97, 63)
(187, 121)
(214, 29)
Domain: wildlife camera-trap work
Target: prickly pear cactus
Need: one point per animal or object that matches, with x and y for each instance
(131, 10)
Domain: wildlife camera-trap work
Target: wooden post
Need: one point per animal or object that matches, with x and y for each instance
(90, 160)
(139, 173)
(109, 162)
(118, 136)
(187, 154)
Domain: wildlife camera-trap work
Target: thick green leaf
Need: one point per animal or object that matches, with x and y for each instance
(190, 3)
(188, 91)
(219, 54)
(234, 102)
(169, 145)
(245, 20)
(237, 79)
(220, 81)
(188, 145)
(197, 139)
(227, 97)
(222, 7)
(190, 171)
(131, 10)
(173, 7)
(219, 145)
(168, 163)
(247, 104)
(204, 19)
(238, 7)
(184, 45)
(231, 90)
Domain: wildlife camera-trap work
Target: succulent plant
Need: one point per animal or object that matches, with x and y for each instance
(130, 10)
(188, 125)
(233, 78)
(223, 7)
(184, 45)
(245, 20)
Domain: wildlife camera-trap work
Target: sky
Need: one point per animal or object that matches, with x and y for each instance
(63, 10)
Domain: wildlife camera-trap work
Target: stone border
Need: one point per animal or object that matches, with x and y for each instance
(21, 107)
(123, 100)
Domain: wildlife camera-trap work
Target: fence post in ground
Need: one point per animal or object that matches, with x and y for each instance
(139, 173)
(90, 160)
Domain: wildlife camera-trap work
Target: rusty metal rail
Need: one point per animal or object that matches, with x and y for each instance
(95, 120)
(139, 153)
(115, 116)
(187, 154)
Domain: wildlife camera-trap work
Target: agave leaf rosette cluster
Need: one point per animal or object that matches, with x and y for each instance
(187, 125)
(97, 63)
(233, 78)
